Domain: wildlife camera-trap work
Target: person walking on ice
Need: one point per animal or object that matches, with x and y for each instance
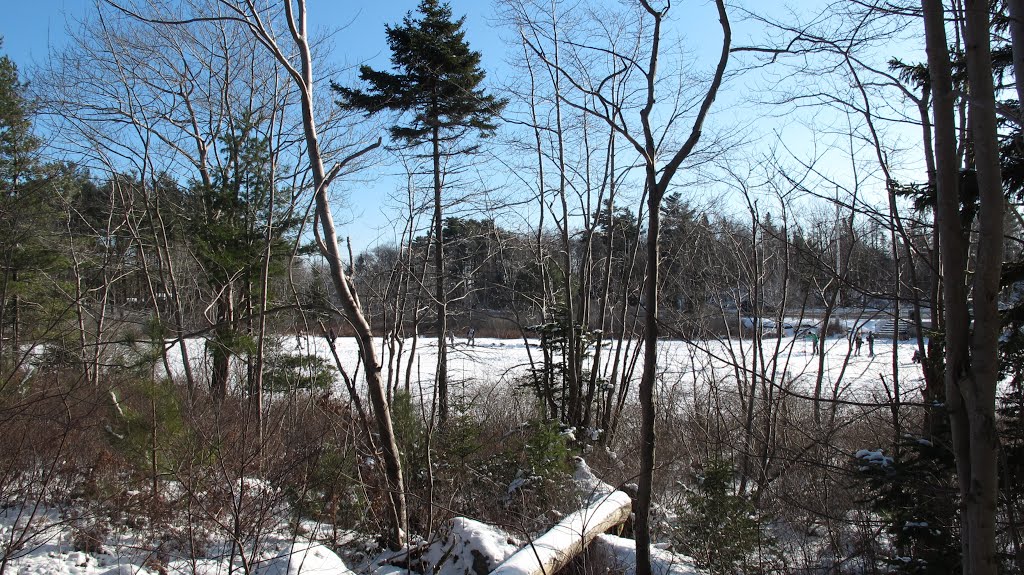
(813, 336)
(871, 344)
(857, 343)
(471, 336)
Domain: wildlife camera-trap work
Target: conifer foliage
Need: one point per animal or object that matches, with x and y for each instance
(26, 220)
(436, 90)
(717, 527)
(436, 81)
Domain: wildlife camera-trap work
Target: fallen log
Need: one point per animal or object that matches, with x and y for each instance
(553, 550)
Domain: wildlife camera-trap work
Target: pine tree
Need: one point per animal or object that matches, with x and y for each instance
(26, 213)
(914, 494)
(719, 528)
(436, 90)
(230, 233)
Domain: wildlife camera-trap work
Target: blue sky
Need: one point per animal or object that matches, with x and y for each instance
(31, 29)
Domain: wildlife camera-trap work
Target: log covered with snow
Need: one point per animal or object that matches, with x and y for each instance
(553, 550)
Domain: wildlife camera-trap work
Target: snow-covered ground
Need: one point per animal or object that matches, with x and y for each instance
(488, 364)
(461, 547)
(51, 550)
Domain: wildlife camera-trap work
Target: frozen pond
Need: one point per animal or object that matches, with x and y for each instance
(493, 363)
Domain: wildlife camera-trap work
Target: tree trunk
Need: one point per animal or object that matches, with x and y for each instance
(602, 308)
(951, 248)
(647, 381)
(1016, 9)
(554, 550)
(979, 388)
(971, 361)
(440, 296)
(15, 317)
(345, 290)
(221, 351)
(657, 182)
(3, 326)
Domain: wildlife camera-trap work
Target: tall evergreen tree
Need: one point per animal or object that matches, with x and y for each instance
(435, 87)
(24, 210)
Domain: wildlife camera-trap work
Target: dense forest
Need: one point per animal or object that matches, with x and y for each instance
(631, 258)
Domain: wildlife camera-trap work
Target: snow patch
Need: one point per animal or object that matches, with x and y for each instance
(873, 457)
(589, 486)
(304, 558)
(467, 547)
(611, 554)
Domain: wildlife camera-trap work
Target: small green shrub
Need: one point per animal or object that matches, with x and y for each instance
(547, 450)
(149, 423)
(291, 372)
(717, 527)
(328, 488)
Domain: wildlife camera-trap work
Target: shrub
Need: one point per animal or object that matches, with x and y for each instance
(291, 372)
(717, 527)
(144, 429)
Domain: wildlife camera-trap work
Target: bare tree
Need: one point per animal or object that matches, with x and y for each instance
(647, 140)
(263, 25)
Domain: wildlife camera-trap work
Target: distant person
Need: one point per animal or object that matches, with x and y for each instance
(857, 343)
(813, 336)
(471, 336)
(871, 344)
(451, 337)
(917, 356)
